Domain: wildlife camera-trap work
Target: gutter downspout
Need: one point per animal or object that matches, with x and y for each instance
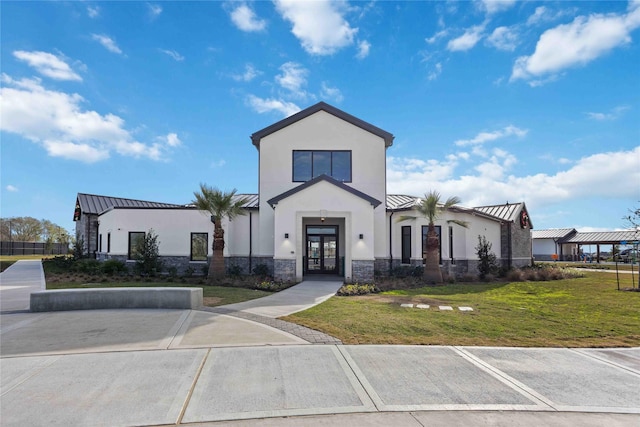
(390, 243)
(250, 242)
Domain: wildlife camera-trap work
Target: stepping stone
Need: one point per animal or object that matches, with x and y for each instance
(422, 306)
(406, 305)
(445, 307)
(465, 308)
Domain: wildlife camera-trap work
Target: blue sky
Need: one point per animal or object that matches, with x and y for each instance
(490, 101)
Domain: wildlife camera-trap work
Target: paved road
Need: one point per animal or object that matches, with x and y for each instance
(168, 367)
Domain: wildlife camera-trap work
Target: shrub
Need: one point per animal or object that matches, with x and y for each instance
(87, 266)
(357, 289)
(113, 266)
(234, 270)
(406, 271)
(488, 263)
(515, 276)
(468, 277)
(261, 270)
(188, 272)
(173, 271)
(146, 254)
(205, 270)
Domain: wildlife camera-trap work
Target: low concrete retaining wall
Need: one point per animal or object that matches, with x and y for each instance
(96, 298)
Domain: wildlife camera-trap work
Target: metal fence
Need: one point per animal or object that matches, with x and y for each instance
(33, 248)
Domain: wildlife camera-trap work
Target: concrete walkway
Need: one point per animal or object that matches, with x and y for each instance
(17, 282)
(177, 367)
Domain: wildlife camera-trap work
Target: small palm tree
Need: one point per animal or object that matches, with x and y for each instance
(219, 204)
(431, 208)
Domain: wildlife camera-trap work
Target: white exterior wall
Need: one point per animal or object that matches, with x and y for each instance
(321, 131)
(465, 240)
(342, 207)
(237, 234)
(544, 247)
(172, 226)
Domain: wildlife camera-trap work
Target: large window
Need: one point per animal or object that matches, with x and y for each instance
(309, 164)
(199, 246)
(134, 238)
(425, 230)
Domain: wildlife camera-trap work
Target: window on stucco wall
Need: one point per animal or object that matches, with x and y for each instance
(425, 230)
(308, 164)
(199, 246)
(134, 238)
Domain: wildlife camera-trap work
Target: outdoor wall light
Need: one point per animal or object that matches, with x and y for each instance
(286, 235)
(361, 236)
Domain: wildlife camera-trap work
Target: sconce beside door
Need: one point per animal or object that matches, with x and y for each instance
(361, 236)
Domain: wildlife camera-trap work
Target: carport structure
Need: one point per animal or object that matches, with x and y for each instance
(600, 238)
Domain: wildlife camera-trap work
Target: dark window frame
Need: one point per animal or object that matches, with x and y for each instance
(100, 242)
(293, 164)
(451, 243)
(129, 247)
(108, 242)
(206, 246)
(405, 233)
(425, 230)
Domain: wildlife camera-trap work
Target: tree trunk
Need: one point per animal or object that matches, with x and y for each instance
(432, 273)
(216, 269)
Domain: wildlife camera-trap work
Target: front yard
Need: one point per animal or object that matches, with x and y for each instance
(581, 312)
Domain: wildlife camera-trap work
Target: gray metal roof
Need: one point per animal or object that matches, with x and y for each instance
(508, 211)
(401, 201)
(257, 136)
(552, 233)
(94, 204)
(253, 202)
(603, 237)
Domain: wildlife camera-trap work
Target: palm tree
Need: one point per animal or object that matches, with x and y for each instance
(431, 208)
(219, 204)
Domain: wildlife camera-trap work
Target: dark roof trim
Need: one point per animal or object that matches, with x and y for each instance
(274, 201)
(322, 106)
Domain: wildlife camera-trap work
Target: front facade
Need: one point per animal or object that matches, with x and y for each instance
(322, 208)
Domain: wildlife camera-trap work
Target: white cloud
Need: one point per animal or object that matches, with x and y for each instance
(468, 40)
(293, 78)
(245, 19)
(576, 43)
(435, 73)
(613, 115)
(58, 122)
(483, 137)
(172, 140)
(11, 188)
(503, 38)
(218, 163)
(363, 49)
(494, 6)
(319, 25)
(107, 42)
(331, 93)
(415, 176)
(437, 36)
(172, 53)
(48, 65)
(93, 11)
(249, 74)
(262, 105)
(154, 10)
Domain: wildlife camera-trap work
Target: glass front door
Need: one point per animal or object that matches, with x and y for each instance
(322, 250)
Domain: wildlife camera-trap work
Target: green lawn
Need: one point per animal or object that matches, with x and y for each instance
(213, 295)
(582, 312)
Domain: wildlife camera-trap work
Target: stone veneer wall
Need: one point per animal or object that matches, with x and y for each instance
(86, 228)
(181, 263)
(284, 270)
(362, 271)
(521, 255)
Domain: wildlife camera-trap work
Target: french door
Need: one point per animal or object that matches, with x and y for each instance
(322, 250)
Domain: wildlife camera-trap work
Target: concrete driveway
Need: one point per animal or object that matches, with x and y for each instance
(170, 367)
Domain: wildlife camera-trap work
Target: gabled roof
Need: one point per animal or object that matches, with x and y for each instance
(507, 212)
(602, 237)
(274, 201)
(401, 201)
(322, 106)
(553, 233)
(94, 204)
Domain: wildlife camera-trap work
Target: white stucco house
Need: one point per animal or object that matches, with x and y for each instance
(322, 208)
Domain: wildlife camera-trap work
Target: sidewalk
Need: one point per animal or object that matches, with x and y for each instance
(170, 367)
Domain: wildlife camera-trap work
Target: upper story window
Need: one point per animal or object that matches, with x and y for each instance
(308, 164)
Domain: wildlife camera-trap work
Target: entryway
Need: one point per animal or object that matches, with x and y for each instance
(322, 249)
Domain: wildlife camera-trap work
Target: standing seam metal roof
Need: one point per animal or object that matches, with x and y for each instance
(94, 204)
(553, 233)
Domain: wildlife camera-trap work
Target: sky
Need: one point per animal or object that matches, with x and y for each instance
(493, 102)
